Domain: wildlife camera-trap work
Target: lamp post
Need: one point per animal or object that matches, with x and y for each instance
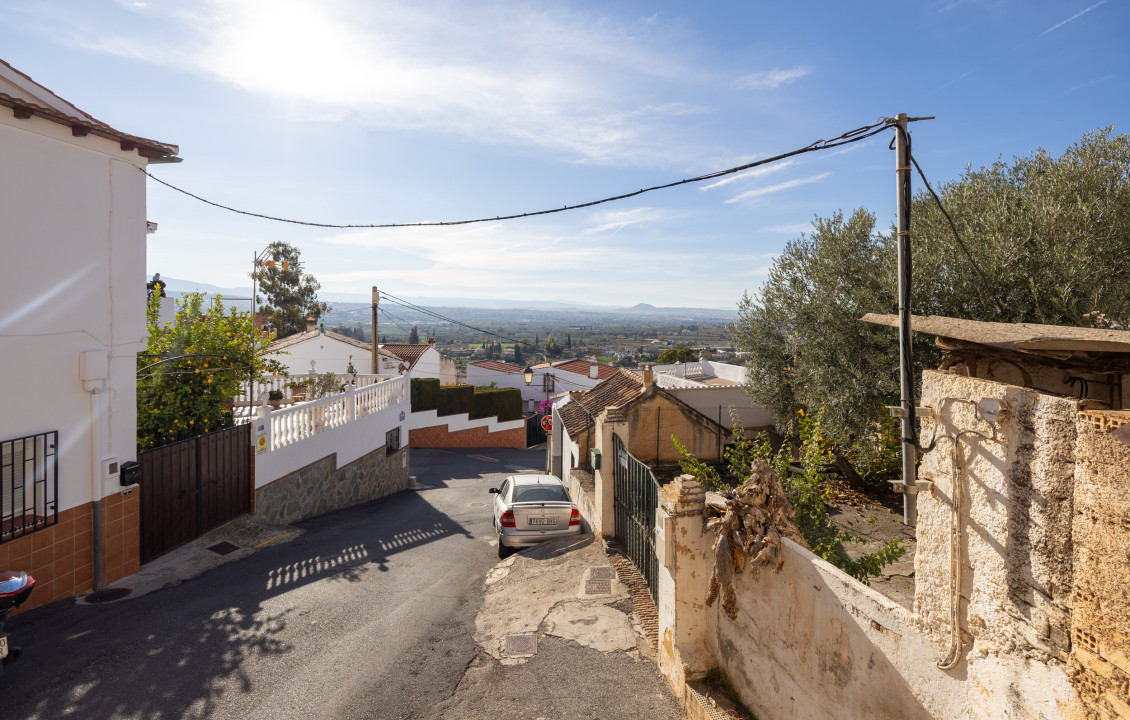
(548, 386)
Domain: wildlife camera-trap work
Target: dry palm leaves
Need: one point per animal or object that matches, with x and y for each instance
(757, 516)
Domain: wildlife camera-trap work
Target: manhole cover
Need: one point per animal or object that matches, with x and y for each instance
(224, 548)
(107, 595)
(476, 504)
(598, 587)
(523, 645)
(602, 573)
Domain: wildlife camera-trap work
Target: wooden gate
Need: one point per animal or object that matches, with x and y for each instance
(192, 486)
(636, 495)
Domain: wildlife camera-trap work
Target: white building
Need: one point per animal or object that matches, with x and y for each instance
(72, 321)
(418, 360)
(715, 389)
(330, 352)
(550, 380)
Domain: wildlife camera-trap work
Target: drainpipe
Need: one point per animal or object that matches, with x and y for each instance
(96, 435)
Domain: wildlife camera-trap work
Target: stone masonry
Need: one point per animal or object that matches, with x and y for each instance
(322, 487)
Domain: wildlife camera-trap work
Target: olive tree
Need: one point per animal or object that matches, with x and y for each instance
(1047, 240)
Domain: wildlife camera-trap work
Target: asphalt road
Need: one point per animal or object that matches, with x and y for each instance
(369, 614)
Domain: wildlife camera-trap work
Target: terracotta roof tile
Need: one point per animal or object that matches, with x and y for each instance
(497, 366)
(144, 146)
(581, 367)
(409, 353)
(621, 388)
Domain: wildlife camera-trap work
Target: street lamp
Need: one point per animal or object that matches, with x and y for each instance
(547, 385)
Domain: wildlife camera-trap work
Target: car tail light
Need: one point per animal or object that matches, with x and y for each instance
(507, 519)
(575, 517)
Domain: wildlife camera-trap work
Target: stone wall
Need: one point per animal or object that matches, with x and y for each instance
(1014, 525)
(1100, 657)
(322, 486)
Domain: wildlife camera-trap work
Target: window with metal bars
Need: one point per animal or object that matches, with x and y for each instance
(392, 440)
(29, 484)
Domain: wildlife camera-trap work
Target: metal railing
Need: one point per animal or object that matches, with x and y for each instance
(29, 484)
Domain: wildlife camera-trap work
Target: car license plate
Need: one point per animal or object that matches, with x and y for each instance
(3, 646)
(543, 521)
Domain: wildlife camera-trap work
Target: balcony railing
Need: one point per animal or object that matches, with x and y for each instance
(298, 422)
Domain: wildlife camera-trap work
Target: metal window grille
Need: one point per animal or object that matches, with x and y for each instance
(392, 440)
(29, 484)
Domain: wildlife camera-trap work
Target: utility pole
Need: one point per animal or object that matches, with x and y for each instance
(376, 346)
(906, 366)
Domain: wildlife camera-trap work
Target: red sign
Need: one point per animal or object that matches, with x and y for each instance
(547, 423)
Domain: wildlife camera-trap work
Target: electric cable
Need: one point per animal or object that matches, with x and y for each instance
(957, 237)
(851, 136)
(404, 303)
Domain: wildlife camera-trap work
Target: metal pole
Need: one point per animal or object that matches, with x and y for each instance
(906, 368)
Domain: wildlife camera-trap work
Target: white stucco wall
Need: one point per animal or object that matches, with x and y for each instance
(329, 354)
(72, 280)
(715, 402)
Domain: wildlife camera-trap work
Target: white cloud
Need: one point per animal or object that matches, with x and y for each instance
(789, 185)
(774, 78)
(756, 172)
(616, 219)
(504, 73)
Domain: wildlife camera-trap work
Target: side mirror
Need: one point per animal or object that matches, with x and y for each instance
(493, 490)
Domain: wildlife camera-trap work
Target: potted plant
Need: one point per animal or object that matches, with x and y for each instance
(274, 398)
(297, 390)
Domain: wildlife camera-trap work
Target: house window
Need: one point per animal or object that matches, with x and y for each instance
(29, 484)
(392, 440)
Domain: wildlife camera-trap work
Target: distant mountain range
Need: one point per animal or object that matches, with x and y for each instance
(176, 286)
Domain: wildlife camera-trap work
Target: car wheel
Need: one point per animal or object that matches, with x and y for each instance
(503, 551)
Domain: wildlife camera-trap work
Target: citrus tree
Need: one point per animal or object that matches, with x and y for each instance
(193, 368)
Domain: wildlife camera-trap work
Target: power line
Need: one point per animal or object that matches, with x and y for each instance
(404, 303)
(957, 236)
(846, 138)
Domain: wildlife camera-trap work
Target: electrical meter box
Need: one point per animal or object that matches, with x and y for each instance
(594, 458)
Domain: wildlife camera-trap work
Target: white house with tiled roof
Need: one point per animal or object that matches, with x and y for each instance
(330, 352)
(419, 360)
(72, 321)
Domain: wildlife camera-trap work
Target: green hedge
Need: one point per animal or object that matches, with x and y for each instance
(503, 403)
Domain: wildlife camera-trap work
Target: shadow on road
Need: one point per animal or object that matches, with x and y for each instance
(175, 652)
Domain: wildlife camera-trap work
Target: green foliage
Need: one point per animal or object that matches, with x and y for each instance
(193, 368)
(323, 384)
(677, 354)
(804, 482)
(503, 403)
(1051, 235)
(518, 358)
(290, 296)
(552, 347)
(414, 336)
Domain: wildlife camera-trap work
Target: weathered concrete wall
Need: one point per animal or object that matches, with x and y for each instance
(1100, 653)
(1053, 380)
(653, 420)
(1014, 525)
(322, 486)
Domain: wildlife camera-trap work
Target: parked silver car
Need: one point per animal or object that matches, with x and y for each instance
(529, 509)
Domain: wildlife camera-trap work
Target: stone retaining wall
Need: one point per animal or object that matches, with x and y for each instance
(322, 486)
(441, 436)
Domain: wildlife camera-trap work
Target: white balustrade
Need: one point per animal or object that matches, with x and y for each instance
(298, 422)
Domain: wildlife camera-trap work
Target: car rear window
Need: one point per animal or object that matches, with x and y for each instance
(539, 493)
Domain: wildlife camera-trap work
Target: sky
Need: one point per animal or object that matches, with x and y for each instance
(372, 112)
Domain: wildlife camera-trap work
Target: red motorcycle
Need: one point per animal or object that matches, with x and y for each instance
(15, 588)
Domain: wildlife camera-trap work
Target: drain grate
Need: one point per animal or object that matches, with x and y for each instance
(602, 573)
(598, 587)
(224, 548)
(523, 645)
(108, 595)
